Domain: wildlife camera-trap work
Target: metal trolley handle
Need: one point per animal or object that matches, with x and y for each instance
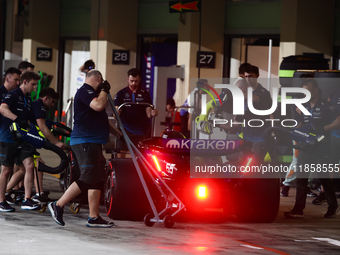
(135, 103)
(141, 103)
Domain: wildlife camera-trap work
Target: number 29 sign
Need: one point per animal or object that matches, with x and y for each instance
(120, 57)
(44, 54)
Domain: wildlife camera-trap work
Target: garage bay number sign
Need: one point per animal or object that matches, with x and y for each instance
(120, 57)
(44, 54)
(206, 59)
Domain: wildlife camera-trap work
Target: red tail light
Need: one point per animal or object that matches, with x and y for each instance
(202, 192)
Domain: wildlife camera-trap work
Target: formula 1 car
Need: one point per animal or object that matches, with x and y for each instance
(252, 199)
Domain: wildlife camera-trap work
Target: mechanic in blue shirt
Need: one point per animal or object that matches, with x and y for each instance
(16, 106)
(334, 99)
(135, 118)
(321, 122)
(291, 174)
(25, 66)
(90, 132)
(47, 98)
(261, 101)
(12, 79)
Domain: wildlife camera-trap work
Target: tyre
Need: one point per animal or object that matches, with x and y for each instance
(75, 207)
(42, 208)
(147, 219)
(61, 181)
(69, 174)
(169, 221)
(67, 177)
(124, 196)
(257, 200)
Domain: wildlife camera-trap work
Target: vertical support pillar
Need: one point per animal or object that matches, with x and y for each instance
(113, 29)
(307, 26)
(41, 29)
(237, 55)
(212, 39)
(162, 74)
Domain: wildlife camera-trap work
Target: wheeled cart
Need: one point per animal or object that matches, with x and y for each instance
(133, 187)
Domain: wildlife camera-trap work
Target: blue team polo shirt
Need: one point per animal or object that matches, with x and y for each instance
(335, 101)
(133, 117)
(3, 92)
(20, 105)
(90, 126)
(322, 114)
(38, 111)
(255, 134)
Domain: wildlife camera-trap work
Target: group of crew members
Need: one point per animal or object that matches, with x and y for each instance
(91, 131)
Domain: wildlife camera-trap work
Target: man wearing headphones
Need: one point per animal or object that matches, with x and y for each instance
(12, 78)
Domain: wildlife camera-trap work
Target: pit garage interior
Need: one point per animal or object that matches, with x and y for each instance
(119, 35)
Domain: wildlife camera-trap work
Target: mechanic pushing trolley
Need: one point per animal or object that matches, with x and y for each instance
(91, 130)
(135, 119)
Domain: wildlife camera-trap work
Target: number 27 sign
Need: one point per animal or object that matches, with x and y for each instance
(206, 59)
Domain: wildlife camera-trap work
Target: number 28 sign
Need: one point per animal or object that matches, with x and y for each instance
(206, 59)
(120, 57)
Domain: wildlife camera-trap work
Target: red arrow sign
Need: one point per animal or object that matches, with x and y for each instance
(192, 6)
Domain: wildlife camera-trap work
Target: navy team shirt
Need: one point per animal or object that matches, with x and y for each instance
(335, 101)
(255, 134)
(90, 126)
(3, 92)
(323, 114)
(133, 117)
(20, 105)
(38, 111)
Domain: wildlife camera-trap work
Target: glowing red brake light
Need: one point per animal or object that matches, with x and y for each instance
(202, 192)
(156, 163)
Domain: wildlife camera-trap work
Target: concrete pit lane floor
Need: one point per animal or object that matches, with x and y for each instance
(33, 232)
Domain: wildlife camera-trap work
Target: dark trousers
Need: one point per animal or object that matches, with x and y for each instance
(184, 125)
(335, 157)
(321, 156)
